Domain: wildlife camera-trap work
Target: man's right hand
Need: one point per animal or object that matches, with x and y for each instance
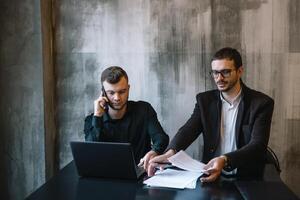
(157, 162)
(99, 105)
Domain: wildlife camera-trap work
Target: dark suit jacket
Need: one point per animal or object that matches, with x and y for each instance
(252, 130)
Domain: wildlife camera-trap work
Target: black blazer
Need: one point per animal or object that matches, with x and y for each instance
(252, 130)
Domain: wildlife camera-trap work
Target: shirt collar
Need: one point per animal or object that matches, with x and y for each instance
(236, 99)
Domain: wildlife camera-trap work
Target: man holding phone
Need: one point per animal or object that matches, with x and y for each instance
(115, 119)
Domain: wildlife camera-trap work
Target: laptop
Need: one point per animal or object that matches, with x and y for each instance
(105, 160)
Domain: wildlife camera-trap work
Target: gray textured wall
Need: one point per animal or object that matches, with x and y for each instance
(21, 101)
(164, 45)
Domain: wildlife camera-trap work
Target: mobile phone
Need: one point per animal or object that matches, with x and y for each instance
(105, 95)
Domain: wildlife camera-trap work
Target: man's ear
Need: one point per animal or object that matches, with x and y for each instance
(240, 70)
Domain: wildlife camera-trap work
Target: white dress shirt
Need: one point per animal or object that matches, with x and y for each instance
(227, 129)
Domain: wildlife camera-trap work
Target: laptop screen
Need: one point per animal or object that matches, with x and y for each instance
(104, 159)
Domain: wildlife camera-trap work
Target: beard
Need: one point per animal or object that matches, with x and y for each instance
(117, 107)
(225, 86)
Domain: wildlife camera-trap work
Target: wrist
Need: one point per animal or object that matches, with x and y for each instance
(225, 158)
(170, 152)
(98, 114)
(153, 152)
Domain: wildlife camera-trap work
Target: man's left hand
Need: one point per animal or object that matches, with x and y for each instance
(213, 168)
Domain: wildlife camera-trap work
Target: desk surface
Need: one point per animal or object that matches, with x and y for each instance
(68, 185)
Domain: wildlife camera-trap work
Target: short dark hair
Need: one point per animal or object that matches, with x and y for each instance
(113, 74)
(230, 54)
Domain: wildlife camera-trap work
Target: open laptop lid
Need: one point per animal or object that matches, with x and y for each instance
(105, 159)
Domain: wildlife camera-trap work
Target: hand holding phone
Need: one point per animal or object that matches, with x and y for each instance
(105, 106)
(101, 104)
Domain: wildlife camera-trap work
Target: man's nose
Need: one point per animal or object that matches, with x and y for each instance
(117, 96)
(219, 77)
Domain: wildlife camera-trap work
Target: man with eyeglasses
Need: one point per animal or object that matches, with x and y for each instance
(234, 120)
(115, 119)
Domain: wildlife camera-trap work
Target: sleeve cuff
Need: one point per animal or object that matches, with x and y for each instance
(96, 121)
(228, 166)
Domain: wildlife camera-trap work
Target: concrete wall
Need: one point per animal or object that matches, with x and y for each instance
(164, 45)
(21, 102)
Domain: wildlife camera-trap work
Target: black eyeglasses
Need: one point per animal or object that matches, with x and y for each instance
(225, 73)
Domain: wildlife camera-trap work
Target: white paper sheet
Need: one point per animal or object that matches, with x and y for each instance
(184, 161)
(181, 179)
(174, 179)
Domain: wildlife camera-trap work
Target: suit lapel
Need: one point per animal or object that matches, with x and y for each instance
(240, 115)
(219, 111)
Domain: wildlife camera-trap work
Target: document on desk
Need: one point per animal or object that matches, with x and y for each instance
(183, 161)
(186, 178)
(172, 178)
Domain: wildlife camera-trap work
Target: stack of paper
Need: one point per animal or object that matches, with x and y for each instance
(173, 179)
(181, 179)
